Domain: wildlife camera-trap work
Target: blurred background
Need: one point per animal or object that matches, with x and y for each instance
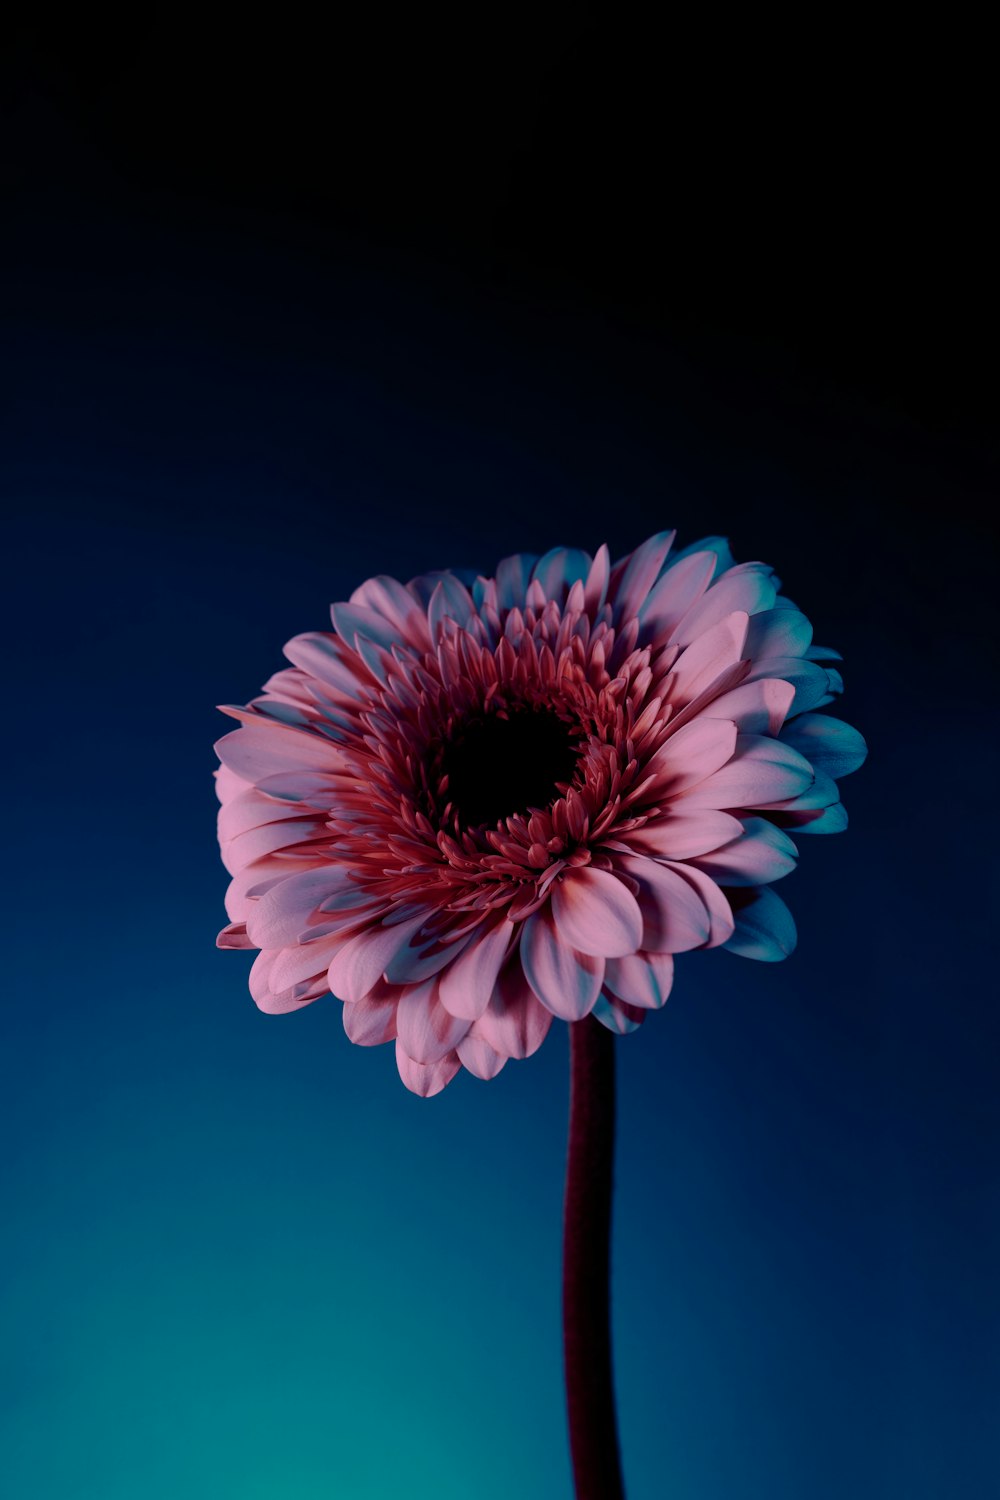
(285, 306)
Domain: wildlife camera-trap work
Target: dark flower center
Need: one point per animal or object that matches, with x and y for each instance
(497, 767)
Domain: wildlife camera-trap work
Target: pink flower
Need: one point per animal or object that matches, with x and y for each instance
(474, 807)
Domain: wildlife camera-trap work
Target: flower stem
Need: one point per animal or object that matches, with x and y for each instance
(590, 1397)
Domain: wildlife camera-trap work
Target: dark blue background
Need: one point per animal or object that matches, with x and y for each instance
(276, 323)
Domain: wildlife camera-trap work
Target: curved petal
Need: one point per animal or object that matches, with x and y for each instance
(707, 658)
(479, 1057)
(566, 982)
(639, 571)
(762, 771)
(641, 979)
(595, 913)
(763, 854)
(682, 833)
(682, 585)
(748, 587)
(361, 962)
(828, 744)
(467, 983)
(370, 1022)
(616, 1015)
(765, 929)
(694, 752)
(559, 569)
(283, 911)
(514, 1022)
(426, 1079)
(425, 1029)
(674, 917)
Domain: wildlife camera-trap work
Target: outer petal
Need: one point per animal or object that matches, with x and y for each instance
(360, 963)
(616, 1015)
(674, 916)
(829, 744)
(765, 929)
(762, 771)
(749, 587)
(282, 912)
(426, 1079)
(567, 982)
(693, 753)
(642, 979)
(514, 1022)
(682, 834)
(595, 913)
(425, 1029)
(479, 1057)
(761, 855)
(707, 658)
(371, 1021)
(640, 570)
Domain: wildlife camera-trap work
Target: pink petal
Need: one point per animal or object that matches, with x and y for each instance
(426, 1079)
(513, 1023)
(323, 657)
(595, 913)
(394, 602)
(759, 707)
(673, 915)
(705, 659)
(283, 911)
(257, 843)
(361, 962)
(425, 1029)
(681, 834)
(263, 749)
(479, 1057)
(370, 1022)
(641, 570)
(565, 981)
(643, 979)
(761, 855)
(469, 980)
(720, 916)
(304, 961)
(682, 584)
(274, 1002)
(762, 771)
(748, 587)
(691, 754)
(234, 936)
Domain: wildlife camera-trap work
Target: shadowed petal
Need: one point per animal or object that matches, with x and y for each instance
(565, 981)
(616, 1015)
(764, 929)
(468, 982)
(829, 744)
(761, 855)
(674, 917)
(643, 979)
(514, 1022)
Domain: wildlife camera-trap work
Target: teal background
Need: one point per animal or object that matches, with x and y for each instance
(238, 1258)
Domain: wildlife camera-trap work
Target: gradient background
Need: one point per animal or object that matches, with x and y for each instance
(281, 313)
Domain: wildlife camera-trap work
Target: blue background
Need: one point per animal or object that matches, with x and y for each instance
(238, 1257)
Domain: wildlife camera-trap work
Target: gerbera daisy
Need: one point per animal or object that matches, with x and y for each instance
(480, 803)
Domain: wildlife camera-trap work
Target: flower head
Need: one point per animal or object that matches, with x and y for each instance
(477, 804)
